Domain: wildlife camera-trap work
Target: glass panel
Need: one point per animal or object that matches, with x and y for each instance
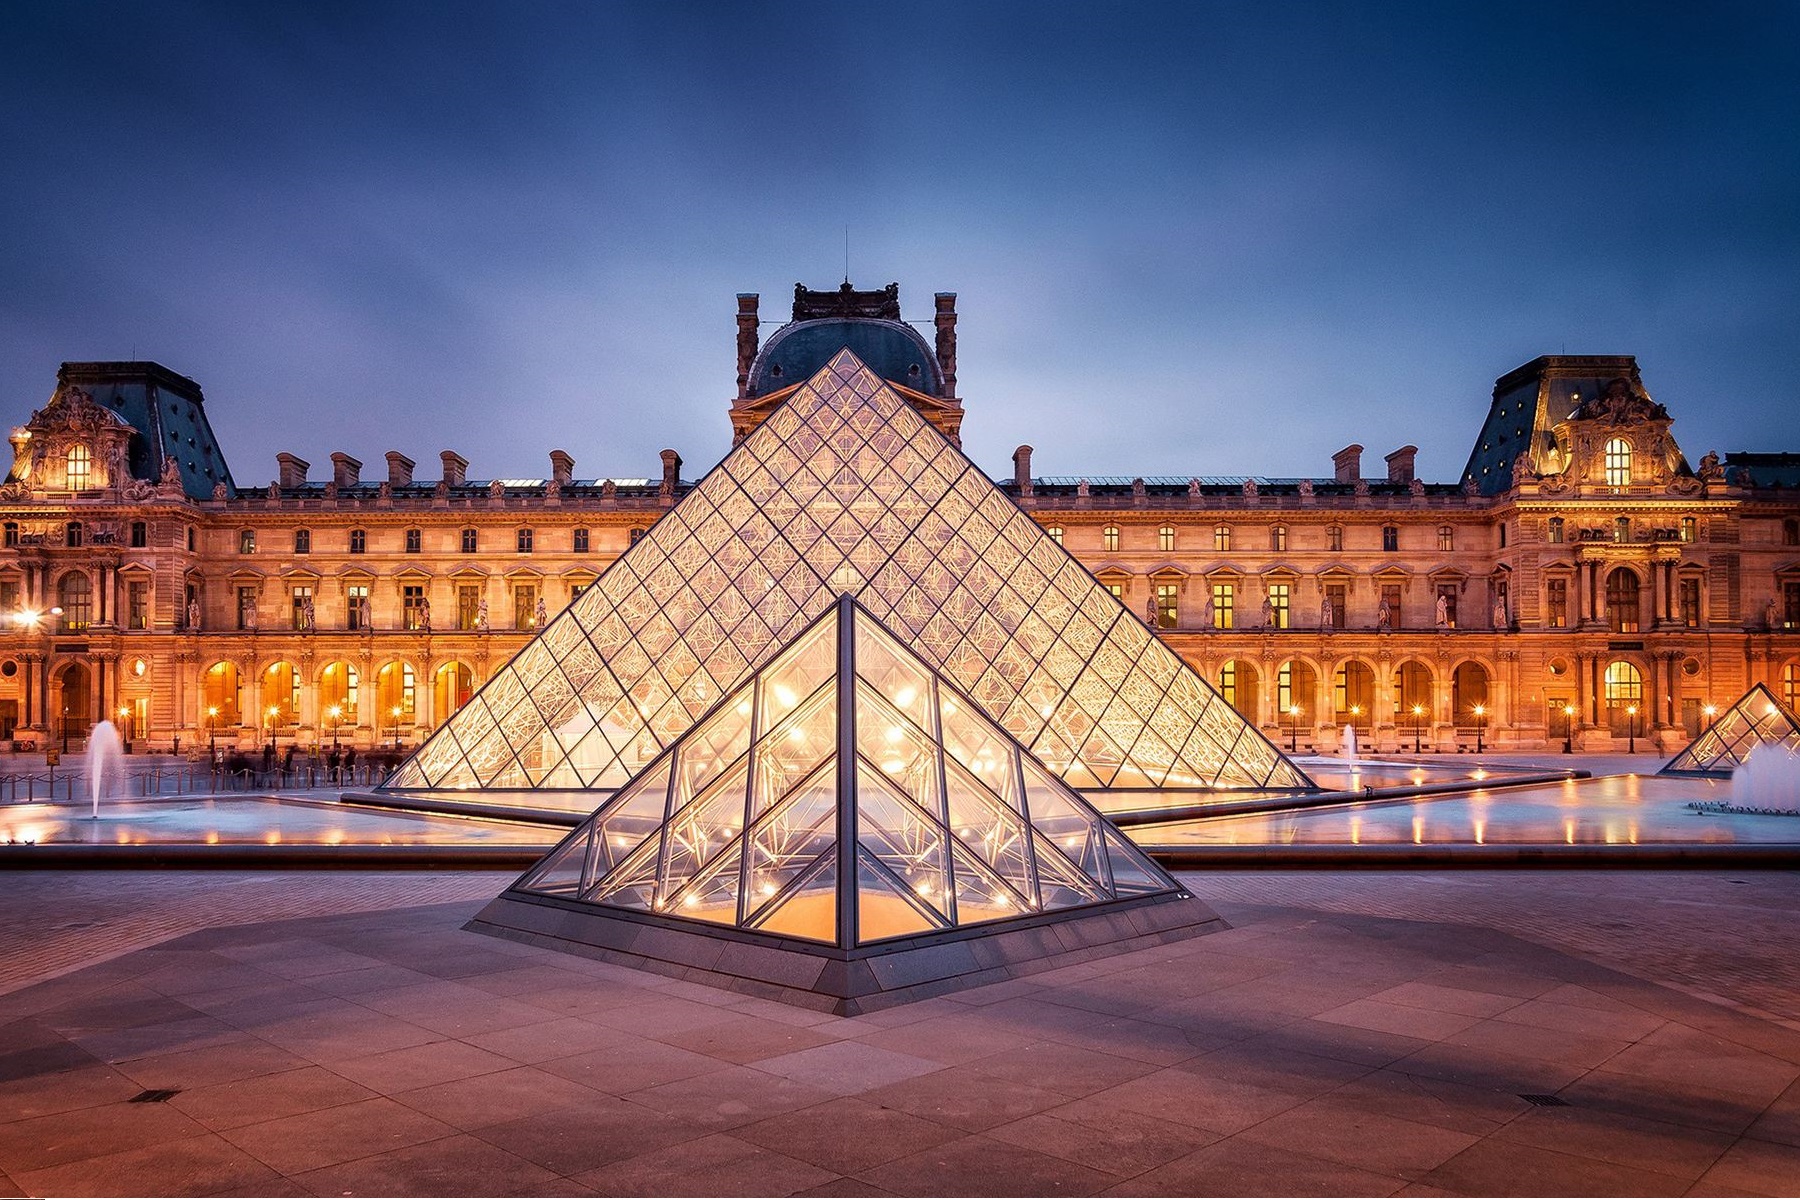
(799, 672)
(790, 752)
(713, 894)
(898, 749)
(1060, 883)
(908, 842)
(884, 906)
(787, 839)
(560, 874)
(896, 675)
(1056, 815)
(635, 814)
(710, 749)
(982, 896)
(994, 833)
(809, 909)
(699, 832)
(1132, 874)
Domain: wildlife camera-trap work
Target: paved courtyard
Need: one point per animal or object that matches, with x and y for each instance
(1368, 1033)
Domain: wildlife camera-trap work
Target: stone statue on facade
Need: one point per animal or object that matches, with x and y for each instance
(609, 490)
(1360, 488)
(308, 618)
(1384, 617)
(497, 490)
(193, 615)
(553, 490)
(481, 616)
(1306, 489)
(425, 615)
(1469, 487)
(1193, 489)
(274, 489)
(1772, 616)
(1150, 612)
(385, 491)
(541, 615)
(1415, 487)
(442, 490)
(1206, 613)
(250, 615)
(1711, 470)
(1500, 612)
(1326, 614)
(1268, 613)
(219, 491)
(1250, 489)
(1443, 613)
(1081, 489)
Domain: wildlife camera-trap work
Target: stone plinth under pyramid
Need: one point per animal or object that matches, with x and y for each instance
(846, 830)
(844, 489)
(1755, 719)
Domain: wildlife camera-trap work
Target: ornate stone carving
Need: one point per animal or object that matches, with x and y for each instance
(1193, 489)
(1082, 489)
(1250, 489)
(220, 492)
(1306, 489)
(1711, 469)
(497, 490)
(1415, 487)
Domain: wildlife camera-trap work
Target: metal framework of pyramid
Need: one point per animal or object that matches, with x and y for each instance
(861, 831)
(845, 488)
(1757, 717)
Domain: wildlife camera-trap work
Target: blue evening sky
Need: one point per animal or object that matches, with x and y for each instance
(1187, 239)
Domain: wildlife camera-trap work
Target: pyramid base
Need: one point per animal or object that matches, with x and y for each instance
(841, 982)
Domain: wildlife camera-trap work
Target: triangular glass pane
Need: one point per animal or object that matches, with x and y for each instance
(981, 895)
(711, 895)
(792, 834)
(885, 907)
(1132, 873)
(991, 830)
(562, 871)
(909, 843)
(900, 750)
(808, 909)
(898, 676)
(790, 752)
(699, 832)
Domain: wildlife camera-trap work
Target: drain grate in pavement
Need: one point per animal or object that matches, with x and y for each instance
(1542, 1100)
(154, 1096)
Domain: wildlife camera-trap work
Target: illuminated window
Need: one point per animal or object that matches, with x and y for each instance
(1446, 538)
(1279, 594)
(1168, 606)
(79, 466)
(1624, 684)
(1334, 539)
(1621, 529)
(1618, 462)
(525, 539)
(302, 541)
(1556, 596)
(1117, 590)
(303, 595)
(1790, 604)
(246, 541)
(1109, 537)
(359, 541)
(1056, 534)
(414, 540)
(1690, 529)
(1165, 538)
(412, 606)
(1221, 537)
(338, 688)
(525, 606)
(1790, 685)
(1222, 601)
(1228, 683)
(1278, 537)
(1556, 530)
(75, 596)
(470, 539)
(357, 614)
(468, 605)
(1622, 600)
(1390, 538)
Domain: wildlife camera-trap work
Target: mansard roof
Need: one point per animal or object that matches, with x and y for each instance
(168, 413)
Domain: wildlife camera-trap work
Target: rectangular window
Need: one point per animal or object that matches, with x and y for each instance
(1117, 590)
(1278, 605)
(1390, 596)
(1334, 539)
(9, 598)
(1165, 538)
(1339, 595)
(1556, 531)
(414, 539)
(575, 591)
(1689, 528)
(1221, 538)
(1503, 535)
(192, 538)
(581, 541)
(1056, 534)
(359, 541)
(137, 605)
(12, 534)
(1621, 529)
(302, 541)
(1446, 538)
(1690, 603)
(1390, 538)
(1278, 538)
(246, 541)
(1168, 605)
(140, 535)
(357, 615)
(1790, 605)
(469, 541)
(300, 604)
(412, 606)
(525, 606)
(246, 608)
(525, 540)
(468, 605)
(1109, 538)
(1556, 594)
(1447, 599)
(1222, 601)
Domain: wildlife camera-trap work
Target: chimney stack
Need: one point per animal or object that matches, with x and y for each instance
(1400, 464)
(562, 467)
(671, 476)
(456, 468)
(400, 469)
(345, 471)
(946, 339)
(1022, 470)
(1348, 463)
(746, 339)
(293, 470)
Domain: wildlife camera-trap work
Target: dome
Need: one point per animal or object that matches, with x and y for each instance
(894, 350)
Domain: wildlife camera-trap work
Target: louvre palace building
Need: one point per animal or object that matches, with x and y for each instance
(1583, 582)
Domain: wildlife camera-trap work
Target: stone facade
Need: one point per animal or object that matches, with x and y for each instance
(1580, 568)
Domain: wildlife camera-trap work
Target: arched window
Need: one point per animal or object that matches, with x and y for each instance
(1109, 538)
(1624, 699)
(1221, 537)
(1622, 600)
(339, 685)
(1165, 538)
(75, 595)
(1618, 462)
(79, 466)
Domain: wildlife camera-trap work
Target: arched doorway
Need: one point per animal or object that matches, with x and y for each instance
(1622, 600)
(1238, 684)
(339, 691)
(1469, 691)
(1353, 695)
(451, 687)
(281, 696)
(1413, 714)
(219, 696)
(1296, 695)
(75, 706)
(396, 699)
(1624, 699)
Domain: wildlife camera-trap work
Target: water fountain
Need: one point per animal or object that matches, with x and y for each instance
(105, 761)
(1768, 777)
(1350, 743)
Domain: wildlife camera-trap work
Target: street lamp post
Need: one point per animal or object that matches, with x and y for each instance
(125, 726)
(395, 713)
(212, 732)
(1480, 721)
(1418, 712)
(1568, 729)
(336, 714)
(274, 712)
(1631, 729)
(1293, 728)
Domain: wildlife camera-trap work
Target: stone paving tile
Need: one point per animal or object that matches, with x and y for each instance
(600, 1130)
(1337, 1128)
(746, 1039)
(42, 1093)
(1688, 1057)
(1398, 1018)
(1324, 1039)
(1655, 1099)
(543, 1041)
(630, 1064)
(982, 1166)
(845, 1068)
(1205, 1103)
(454, 1166)
(1673, 1149)
(948, 1040)
(1534, 1041)
(194, 1166)
(49, 1141)
(1260, 1062)
(268, 1097)
(319, 1139)
(1071, 1070)
(1493, 1167)
(661, 1016)
(481, 1100)
(222, 1062)
(727, 1098)
(843, 1187)
(326, 1037)
(421, 1066)
(716, 1165)
(847, 1134)
(1491, 1069)
(1440, 1102)
(1762, 1168)
(1105, 1138)
(1439, 998)
(1236, 1167)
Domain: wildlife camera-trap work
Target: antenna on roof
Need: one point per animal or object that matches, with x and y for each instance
(846, 256)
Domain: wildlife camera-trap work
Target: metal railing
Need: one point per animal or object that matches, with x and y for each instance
(189, 779)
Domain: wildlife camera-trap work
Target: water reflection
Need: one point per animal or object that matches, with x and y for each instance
(250, 820)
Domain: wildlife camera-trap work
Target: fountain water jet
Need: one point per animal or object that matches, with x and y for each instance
(105, 761)
(1769, 775)
(1350, 743)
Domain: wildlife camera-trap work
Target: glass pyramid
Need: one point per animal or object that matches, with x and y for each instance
(846, 794)
(1757, 717)
(846, 488)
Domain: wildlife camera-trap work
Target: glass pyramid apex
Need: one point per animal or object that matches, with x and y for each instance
(1756, 718)
(846, 795)
(845, 488)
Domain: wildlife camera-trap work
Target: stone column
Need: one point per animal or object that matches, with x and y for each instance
(1672, 712)
(1583, 691)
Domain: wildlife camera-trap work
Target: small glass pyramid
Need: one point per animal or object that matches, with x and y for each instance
(845, 488)
(1757, 717)
(846, 794)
